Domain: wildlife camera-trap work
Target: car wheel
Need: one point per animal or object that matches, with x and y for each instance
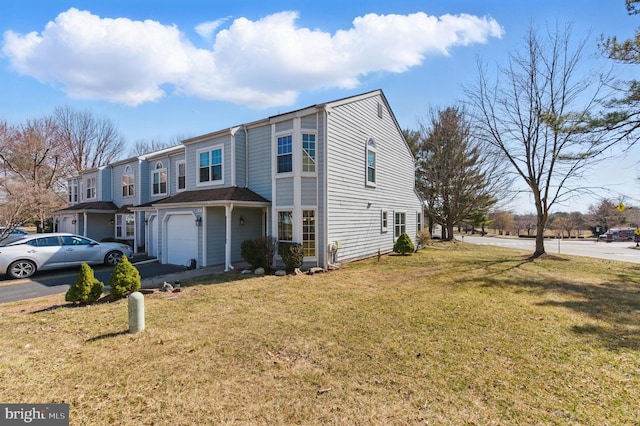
(112, 258)
(21, 269)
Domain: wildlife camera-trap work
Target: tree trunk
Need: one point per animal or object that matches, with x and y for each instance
(542, 223)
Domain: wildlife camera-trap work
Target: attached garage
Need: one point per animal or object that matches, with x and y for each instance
(181, 242)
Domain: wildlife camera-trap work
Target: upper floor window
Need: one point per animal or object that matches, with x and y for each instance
(308, 152)
(285, 156)
(73, 191)
(159, 180)
(91, 188)
(371, 162)
(210, 165)
(127, 182)
(181, 180)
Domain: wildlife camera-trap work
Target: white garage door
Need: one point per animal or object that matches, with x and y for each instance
(182, 239)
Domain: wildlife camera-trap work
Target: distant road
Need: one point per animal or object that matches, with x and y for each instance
(622, 251)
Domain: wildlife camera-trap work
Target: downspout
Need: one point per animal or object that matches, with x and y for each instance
(246, 156)
(325, 180)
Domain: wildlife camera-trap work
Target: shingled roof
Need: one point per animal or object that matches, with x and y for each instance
(216, 194)
(95, 206)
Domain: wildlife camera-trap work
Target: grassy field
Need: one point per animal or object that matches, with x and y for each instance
(454, 334)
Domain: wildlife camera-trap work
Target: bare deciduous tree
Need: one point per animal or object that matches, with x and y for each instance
(90, 141)
(32, 162)
(537, 114)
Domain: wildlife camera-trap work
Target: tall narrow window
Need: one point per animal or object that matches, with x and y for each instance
(285, 227)
(285, 158)
(419, 221)
(384, 221)
(371, 162)
(309, 232)
(210, 165)
(308, 152)
(400, 224)
(159, 180)
(91, 188)
(127, 182)
(182, 175)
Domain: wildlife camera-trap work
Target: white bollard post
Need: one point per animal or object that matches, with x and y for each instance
(136, 312)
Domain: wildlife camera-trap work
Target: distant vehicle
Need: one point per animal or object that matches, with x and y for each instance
(22, 257)
(626, 234)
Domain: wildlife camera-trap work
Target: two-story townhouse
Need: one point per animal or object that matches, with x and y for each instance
(90, 210)
(337, 177)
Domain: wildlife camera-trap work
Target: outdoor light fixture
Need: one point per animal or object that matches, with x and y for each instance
(112, 222)
(241, 221)
(73, 222)
(198, 221)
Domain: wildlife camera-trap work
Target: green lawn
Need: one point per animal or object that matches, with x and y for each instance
(454, 334)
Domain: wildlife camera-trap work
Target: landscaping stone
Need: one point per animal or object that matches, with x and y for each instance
(259, 271)
(280, 273)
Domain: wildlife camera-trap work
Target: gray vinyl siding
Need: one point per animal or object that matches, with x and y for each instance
(143, 183)
(216, 236)
(353, 208)
(284, 126)
(260, 161)
(251, 229)
(172, 177)
(193, 166)
(309, 190)
(321, 213)
(104, 185)
(284, 192)
(117, 172)
(241, 163)
(309, 122)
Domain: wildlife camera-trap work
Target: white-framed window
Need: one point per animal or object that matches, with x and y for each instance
(371, 162)
(309, 233)
(73, 191)
(125, 224)
(285, 226)
(128, 182)
(91, 188)
(210, 162)
(285, 154)
(384, 221)
(159, 179)
(308, 152)
(400, 224)
(418, 221)
(181, 178)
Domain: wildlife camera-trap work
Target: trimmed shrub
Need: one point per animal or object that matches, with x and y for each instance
(87, 289)
(249, 252)
(292, 256)
(259, 252)
(125, 279)
(404, 245)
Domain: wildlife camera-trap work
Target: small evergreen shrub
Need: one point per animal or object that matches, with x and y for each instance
(125, 279)
(404, 245)
(292, 256)
(87, 289)
(259, 252)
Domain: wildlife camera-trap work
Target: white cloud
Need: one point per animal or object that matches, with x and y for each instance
(258, 63)
(207, 29)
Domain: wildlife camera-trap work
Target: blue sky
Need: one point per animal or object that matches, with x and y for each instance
(164, 69)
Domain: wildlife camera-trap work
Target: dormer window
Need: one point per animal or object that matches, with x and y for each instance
(159, 179)
(91, 188)
(128, 182)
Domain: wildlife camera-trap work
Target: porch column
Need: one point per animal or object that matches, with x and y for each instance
(228, 209)
(84, 224)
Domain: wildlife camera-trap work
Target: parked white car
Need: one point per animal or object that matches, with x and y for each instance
(22, 257)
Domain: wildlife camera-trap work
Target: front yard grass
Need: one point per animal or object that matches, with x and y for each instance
(461, 335)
